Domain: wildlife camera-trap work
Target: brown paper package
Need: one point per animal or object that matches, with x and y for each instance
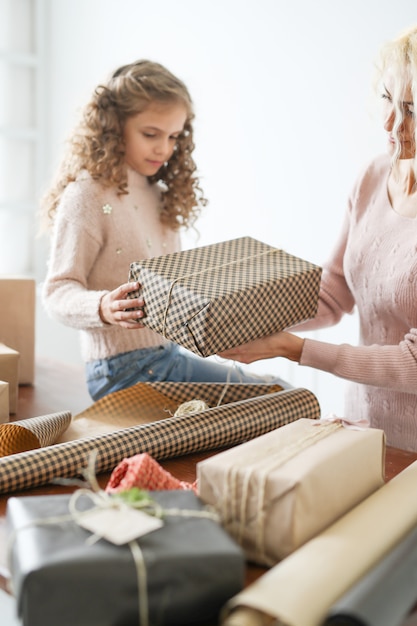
(279, 490)
(9, 372)
(4, 402)
(17, 322)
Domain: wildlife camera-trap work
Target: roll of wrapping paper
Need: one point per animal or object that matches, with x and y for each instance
(384, 596)
(138, 404)
(301, 589)
(175, 436)
(149, 402)
(35, 432)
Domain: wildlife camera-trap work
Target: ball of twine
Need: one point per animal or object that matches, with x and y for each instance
(192, 406)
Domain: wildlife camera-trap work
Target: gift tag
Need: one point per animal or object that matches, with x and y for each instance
(119, 526)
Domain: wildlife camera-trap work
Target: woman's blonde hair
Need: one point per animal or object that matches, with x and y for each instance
(399, 58)
(97, 146)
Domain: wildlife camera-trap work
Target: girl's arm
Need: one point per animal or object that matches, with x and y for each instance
(77, 243)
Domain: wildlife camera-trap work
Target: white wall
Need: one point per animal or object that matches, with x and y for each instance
(283, 120)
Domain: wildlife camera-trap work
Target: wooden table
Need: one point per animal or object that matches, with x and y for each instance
(61, 387)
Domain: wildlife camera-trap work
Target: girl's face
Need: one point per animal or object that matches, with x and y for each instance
(150, 136)
(405, 132)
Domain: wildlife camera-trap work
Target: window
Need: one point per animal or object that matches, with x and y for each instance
(21, 131)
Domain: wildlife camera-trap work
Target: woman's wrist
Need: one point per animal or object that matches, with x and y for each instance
(292, 347)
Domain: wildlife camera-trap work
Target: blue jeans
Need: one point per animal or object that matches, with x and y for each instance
(164, 363)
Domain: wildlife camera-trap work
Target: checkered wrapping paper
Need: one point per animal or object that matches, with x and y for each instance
(216, 297)
(35, 432)
(171, 437)
(149, 402)
(142, 403)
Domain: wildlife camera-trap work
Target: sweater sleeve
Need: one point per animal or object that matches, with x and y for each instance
(335, 297)
(392, 367)
(74, 249)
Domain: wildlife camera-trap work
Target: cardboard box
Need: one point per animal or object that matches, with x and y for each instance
(9, 372)
(4, 402)
(279, 490)
(215, 297)
(192, 567)
(17, 322)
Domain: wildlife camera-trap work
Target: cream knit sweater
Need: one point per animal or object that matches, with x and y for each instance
(97, 234)
(373, 267)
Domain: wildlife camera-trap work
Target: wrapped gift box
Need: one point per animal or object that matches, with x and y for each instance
(9, 372)
(17, 322)
(4, 402)
(281, 489)
(192, 567)
(215, 297)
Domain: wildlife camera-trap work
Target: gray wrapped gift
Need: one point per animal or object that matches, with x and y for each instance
(216, 297)
(192, 567)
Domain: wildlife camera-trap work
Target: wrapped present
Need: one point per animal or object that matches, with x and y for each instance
(279, 490)
(17, 322)
(192, 566)
(4, 401)
(9, 372)
(194, 298)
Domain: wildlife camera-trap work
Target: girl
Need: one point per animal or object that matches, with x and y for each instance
(373, 268)
(123, 192)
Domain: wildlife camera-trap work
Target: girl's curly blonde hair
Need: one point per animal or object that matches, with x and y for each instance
(97, 143)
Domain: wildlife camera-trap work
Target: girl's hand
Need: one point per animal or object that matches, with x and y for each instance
(280, 344)
(115, 305)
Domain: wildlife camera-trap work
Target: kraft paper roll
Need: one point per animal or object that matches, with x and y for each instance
(212, 429)
(386, 595)
(300, 590)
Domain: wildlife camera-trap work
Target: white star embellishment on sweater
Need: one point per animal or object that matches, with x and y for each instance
(107, 209)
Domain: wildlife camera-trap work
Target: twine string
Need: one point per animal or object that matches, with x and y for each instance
(197, 406)
(103, 500)
(142, 581)
(231, 504)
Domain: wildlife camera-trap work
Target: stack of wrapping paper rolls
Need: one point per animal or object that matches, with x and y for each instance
(344, 575)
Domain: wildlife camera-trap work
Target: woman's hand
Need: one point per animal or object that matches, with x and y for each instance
(280, 344)
(115, 305)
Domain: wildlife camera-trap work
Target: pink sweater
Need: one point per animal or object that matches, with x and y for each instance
(373, 267)
(97, 234)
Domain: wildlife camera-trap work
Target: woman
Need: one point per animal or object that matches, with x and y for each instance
(373, 268)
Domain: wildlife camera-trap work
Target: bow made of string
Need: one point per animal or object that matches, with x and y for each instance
(238, 506)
